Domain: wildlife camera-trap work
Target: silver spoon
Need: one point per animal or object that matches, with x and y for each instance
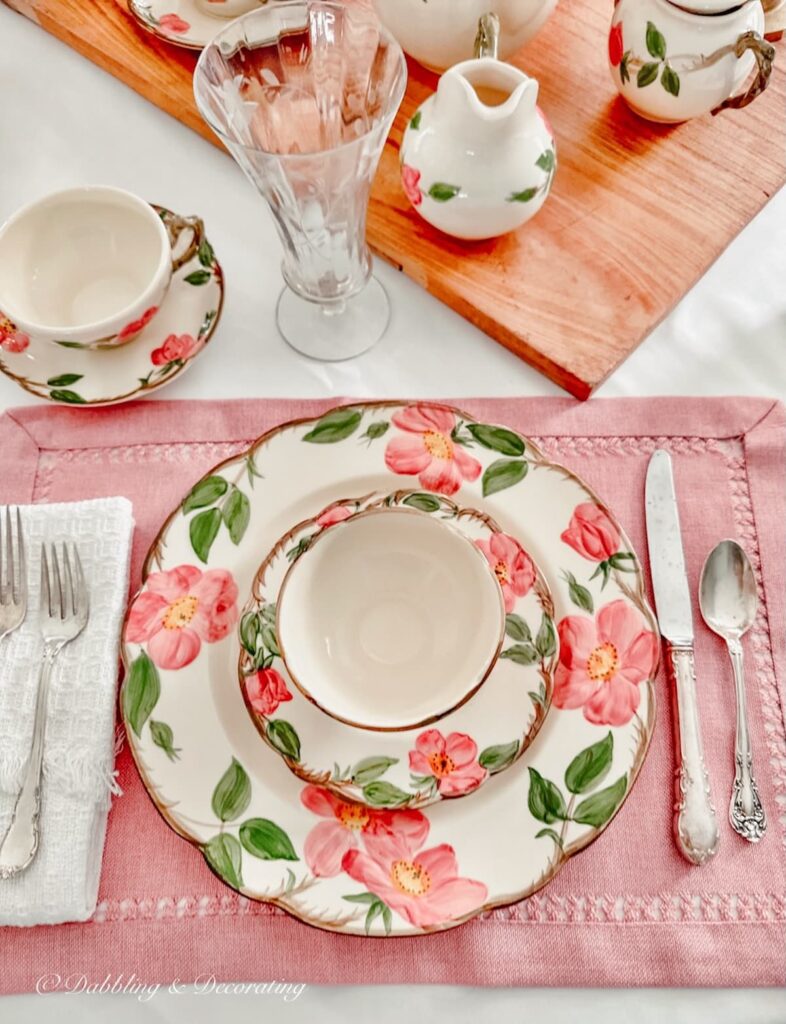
(728, 600)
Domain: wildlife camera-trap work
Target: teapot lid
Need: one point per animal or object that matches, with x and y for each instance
(709, 6)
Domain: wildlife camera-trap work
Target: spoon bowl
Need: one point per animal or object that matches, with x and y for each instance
(727, 593)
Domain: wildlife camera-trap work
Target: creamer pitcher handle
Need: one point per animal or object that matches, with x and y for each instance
(487, 39)
(764, 53)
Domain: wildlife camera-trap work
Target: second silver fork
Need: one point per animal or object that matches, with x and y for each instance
(64, 614)
(13, 575)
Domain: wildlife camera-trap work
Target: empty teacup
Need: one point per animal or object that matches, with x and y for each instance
(228, 8)
(390, 619)
(89, 267)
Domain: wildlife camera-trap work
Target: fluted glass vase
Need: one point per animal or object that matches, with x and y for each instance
(303, 93)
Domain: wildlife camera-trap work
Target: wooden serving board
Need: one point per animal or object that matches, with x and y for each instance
(637, 213)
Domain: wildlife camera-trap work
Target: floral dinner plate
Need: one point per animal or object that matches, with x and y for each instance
(177, 21)
(70, 374)
(330, 861)
(414, 767)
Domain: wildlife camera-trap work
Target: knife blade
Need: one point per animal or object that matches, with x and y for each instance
(695, 823)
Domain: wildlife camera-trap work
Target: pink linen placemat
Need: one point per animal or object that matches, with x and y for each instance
(628, 910)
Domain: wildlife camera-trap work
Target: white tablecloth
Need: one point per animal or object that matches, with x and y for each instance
(64, 122)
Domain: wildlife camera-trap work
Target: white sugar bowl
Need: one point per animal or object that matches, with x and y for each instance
(478, 157)
(671, 62)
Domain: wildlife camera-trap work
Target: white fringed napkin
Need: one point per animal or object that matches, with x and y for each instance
(62, 882)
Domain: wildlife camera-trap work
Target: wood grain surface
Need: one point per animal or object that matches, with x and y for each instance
(637, 212)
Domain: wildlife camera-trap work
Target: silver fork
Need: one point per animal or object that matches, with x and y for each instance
(13, 575)
(64, 613)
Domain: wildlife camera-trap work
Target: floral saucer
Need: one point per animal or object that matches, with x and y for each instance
(329, 861)
(415, 767)
(70, 374)
(177, 21)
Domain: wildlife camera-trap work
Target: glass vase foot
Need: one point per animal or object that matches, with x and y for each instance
(334, 331)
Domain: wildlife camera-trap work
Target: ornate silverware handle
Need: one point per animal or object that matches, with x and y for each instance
(746, 813)
(20, 843)
(695, 823)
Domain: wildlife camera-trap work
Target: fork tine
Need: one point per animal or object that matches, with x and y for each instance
(20, 549)
(2, 566)
(81, 586)
(46, 596)
(69, 594)
(59, 608)
(9, 554)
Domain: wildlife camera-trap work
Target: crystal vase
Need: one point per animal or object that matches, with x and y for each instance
(303, 93)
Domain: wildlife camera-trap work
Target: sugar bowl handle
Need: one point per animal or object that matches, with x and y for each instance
(764, 53)
(175, 225)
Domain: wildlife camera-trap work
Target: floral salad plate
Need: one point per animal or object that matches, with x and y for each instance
(331, 861)
(165, 344)
(177, 21)
(412, 767)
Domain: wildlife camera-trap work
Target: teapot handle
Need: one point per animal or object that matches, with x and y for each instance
(764, 53)
(487, 39)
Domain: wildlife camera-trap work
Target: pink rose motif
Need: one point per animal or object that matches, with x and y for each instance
(591, 533)
(422, 886)
(11, 338)
(512, 566)
(178, 610)
(409, 179)
(137, 326)
(452, 760)
(181, 346)
(265, 690)
(428, 450)
(616, 47)
(603, 662)
(173, 23)
(333, 514)
(328, 842)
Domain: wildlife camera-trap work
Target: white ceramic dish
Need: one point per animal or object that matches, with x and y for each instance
(180, 22)
(466, 746)
(335, 863)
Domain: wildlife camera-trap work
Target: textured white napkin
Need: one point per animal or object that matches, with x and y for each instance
(62, 882)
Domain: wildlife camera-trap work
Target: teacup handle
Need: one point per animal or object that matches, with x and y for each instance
(764, 53)
(175, 225)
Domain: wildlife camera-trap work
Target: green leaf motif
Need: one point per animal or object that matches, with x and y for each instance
(376, 908)
(647, 74)
(624, 561)
(415, 122)
(547, 161)
(442, 192)
(376, 430)
(521, 654)
(205, 253)
(579, 594)
(270, 640)
(232, 795)
(517, 629)
(266, 840)
(64, 380)
(224, 856)
(284, 738)
(64, 395)
(525, 196)
(656, 43)
(498, 439)
(551, 834)
(236, 514)
(141, 692)
(205, 493)
(384, 794)
(361, 897)
(670, 80)
(268, 613)
(590, 765)
(202, 530)
(334, 426)
(422, 502)
(624, 69)
(371, 768)
(502, 474)
(249, 631)
(598, 808)
(198, 277)
(546, 640)
(72, 344)
(163, 737)
(545, 801)
(495, 759)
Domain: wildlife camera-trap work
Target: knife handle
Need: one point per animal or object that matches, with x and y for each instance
(695, 823)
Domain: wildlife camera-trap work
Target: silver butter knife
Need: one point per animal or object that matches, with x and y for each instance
(695, 822)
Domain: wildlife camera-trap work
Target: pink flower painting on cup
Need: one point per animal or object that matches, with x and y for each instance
(592, 533)
(511, 564)
(174, 347)
(603, 662)
(422, 886)
(346, 822)
(265, 690)
(136, 326)
(179, 610)
(11, 338)
(173, 23)
(427, 450)
(452, 760)
(333, 514)
(409, 179)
